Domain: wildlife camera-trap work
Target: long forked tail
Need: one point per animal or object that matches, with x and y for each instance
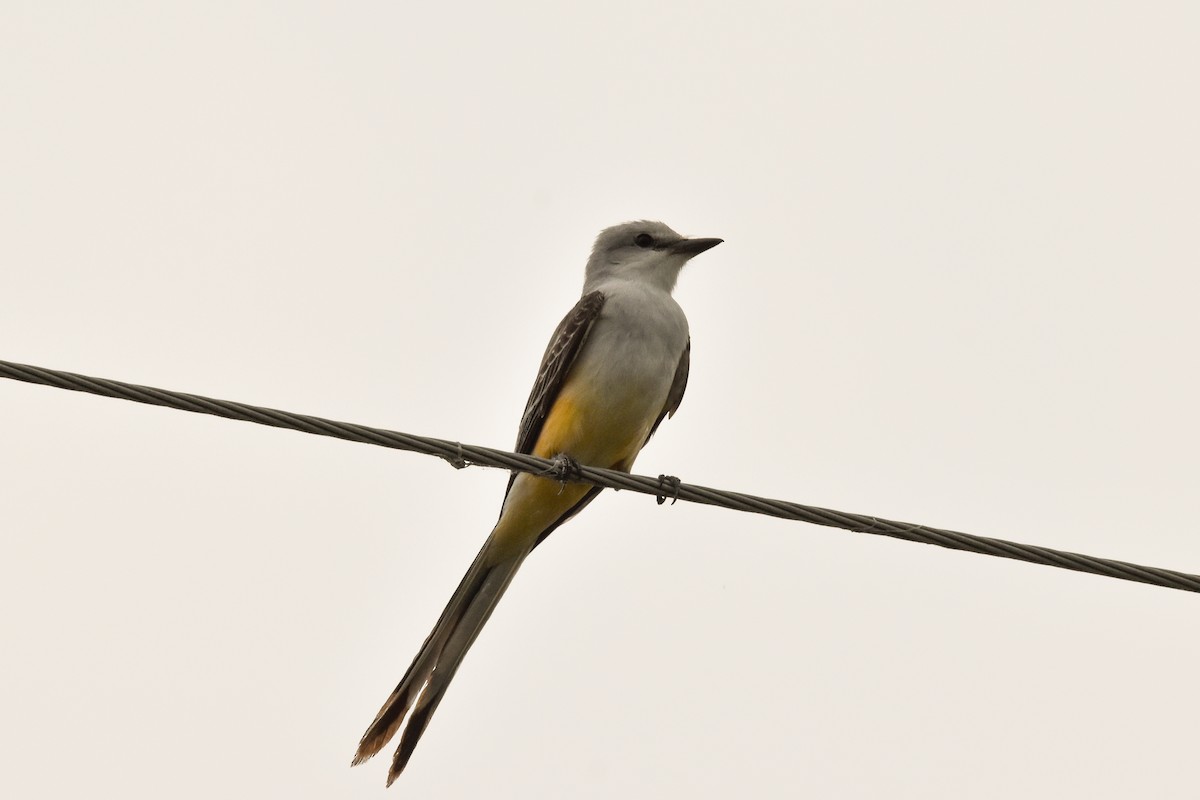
(422, 687)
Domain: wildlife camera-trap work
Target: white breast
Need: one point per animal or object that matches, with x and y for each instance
(634, 347)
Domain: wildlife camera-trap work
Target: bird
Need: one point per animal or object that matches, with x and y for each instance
(615, 367)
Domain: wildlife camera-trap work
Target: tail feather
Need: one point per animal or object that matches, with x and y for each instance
(425, 682)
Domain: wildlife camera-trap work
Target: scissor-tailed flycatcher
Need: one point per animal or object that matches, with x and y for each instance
(615, 367)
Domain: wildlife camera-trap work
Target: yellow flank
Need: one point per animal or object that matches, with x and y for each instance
(596, 429)
(599, 429)
(533, 504)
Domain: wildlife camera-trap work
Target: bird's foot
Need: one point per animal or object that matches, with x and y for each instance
(564, 469)
(671, 481)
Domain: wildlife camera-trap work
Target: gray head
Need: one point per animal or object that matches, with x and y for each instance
(644, 251)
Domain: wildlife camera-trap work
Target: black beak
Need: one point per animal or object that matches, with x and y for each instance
(693, 247)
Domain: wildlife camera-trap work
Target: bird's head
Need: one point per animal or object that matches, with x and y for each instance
(647, 252)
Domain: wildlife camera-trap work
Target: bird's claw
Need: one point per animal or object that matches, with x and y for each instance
(564, 469)
(671, 481)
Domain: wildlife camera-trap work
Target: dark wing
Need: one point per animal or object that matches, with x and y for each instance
(564, 347)
(678, 387)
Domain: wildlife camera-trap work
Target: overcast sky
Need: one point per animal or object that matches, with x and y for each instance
(958, 288)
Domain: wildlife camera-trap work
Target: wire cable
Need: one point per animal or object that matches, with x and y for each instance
(462, 455)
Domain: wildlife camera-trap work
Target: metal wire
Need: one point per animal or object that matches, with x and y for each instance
(461, 455)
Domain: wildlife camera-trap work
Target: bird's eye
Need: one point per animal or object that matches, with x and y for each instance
(643, 240)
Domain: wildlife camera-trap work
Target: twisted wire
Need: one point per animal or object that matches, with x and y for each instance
(462, 455)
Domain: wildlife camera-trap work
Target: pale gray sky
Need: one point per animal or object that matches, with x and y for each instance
(958, 287)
